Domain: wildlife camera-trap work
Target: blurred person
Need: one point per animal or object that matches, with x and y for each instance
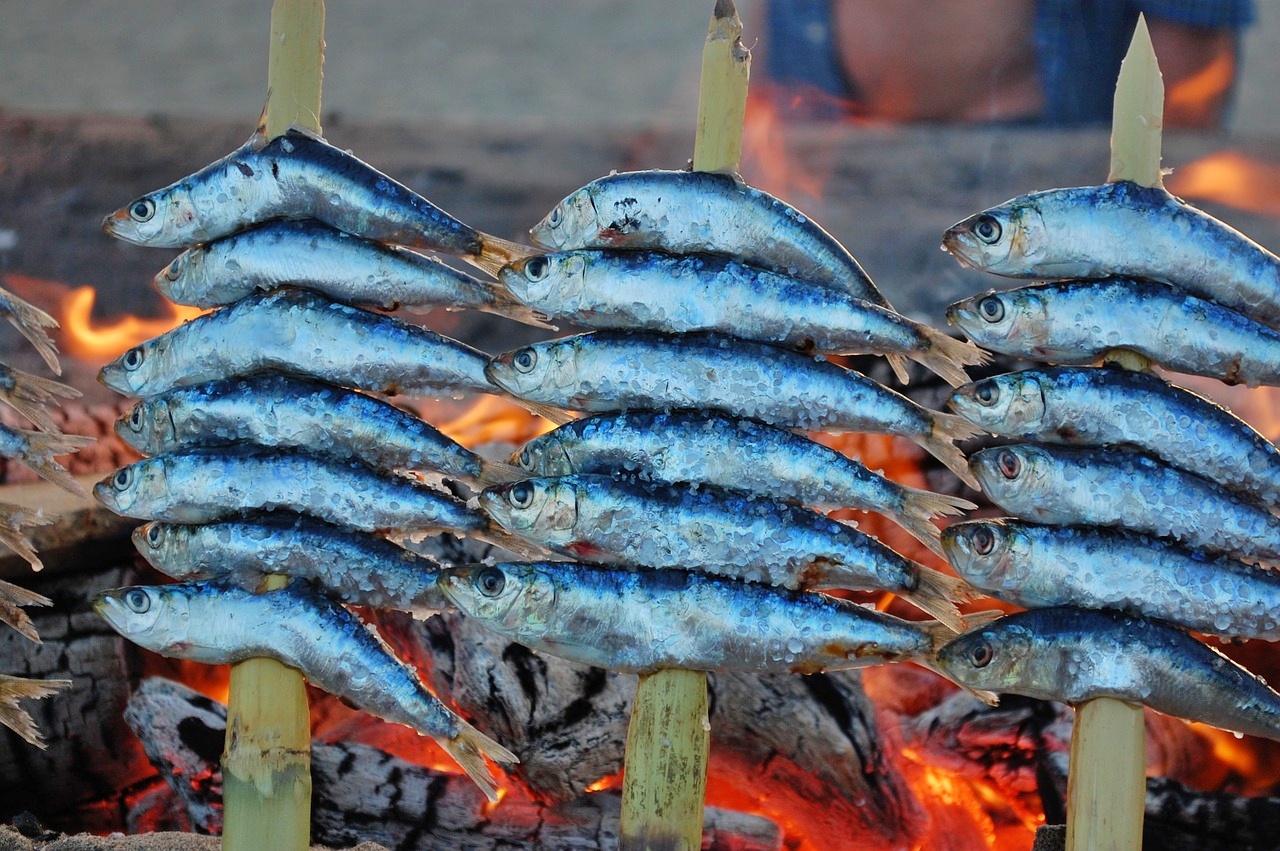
(1039, 62)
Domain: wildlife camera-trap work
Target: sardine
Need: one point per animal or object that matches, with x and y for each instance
(1075, 655)
(343, 267)
(1078, 323)
(15, 520)
(1121, 229)
(732, 453)
(353, 567)
(36, 450)
(13, 716)
(203, 485)
(617, 371)
(279, 410)
(31, 322)
(301, 333)
(644, 620)
(29, 394)
(652, 291)
(1114, 487)
(1120, 407)
(301, 628)
(12, 599)
(690, 212)
(298, 175)
(1037, 566)
(751, 538)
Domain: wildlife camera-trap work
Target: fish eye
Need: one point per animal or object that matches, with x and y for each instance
(123, 478)
(137, 600)
(525, 459)
(1010, 464)
(991, 308)
(983, 540)
(535, 268)
(155, 535)
(987, 229)
(981, 654)
(135, 418)
(134, 358)
(556, 217)
(490, 581)
(142, 210)
(986, 392)
(525, 360)
(520, 495)
(173, 271)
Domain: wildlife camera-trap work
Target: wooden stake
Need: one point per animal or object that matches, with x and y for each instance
(665, 783)
(266, 766)
(1107, 779)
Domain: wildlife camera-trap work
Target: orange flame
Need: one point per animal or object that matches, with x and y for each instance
(99, 343)
(1231, 178)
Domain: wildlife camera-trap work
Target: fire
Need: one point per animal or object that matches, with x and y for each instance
(493, 420)
(1231, 178)
(98, 343)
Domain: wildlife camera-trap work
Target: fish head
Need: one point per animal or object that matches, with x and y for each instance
(543, 509)
(1012, 475)
(1008, 240)
(148, 426)
(164, 218)
(545, 281)
(515, 599)
(131, 372)
(997, 657)
(545, 456)
(984, 552)
(133, 491)
(186, 277)
(153, 616)
(538, 373)
(1003, 404)
(1010, 321)
(569, 222)
(167, 548)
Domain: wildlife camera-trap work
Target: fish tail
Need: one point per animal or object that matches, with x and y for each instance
(496, 252)
(898, 363)
(468, 748)
(499, 473)
(559, 416)
(506, 304)
(12, 597)
(946, 356)
(14, 519)
(937, 593)
(948, 428)
(13, 689)
(512, 543)
(30, 394)
(919, 507)
(42, 446)
(31, 322)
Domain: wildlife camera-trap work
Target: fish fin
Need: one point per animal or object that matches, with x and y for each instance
(556, 415)
(898, 363)
(30, 393)
(496, 252)
(947, 356)
(31, 322)
(948, 428)
(13, 689)
(42, 446)
(519, 546)
(937, 594)
(14, 519)
(468, 748)
(499, 473)
(505, 304)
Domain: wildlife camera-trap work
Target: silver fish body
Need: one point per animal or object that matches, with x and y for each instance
(1120, 407)
(617, 371)
(725, 452)
(1078, 323)
(645, 620)
(301, 333)
(1076, 655)
(1121, 229)
(282, 411)
(295, 175)
(1113, 487)
(1039, 566)
(346, 268)
(752, 538)
(689, 212)
(222, 624)
(356, 568)
(203, 485)
(653, 291)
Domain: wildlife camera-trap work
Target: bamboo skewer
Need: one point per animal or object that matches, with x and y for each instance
(1107, 783)
(266, 764)
(669, 737)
